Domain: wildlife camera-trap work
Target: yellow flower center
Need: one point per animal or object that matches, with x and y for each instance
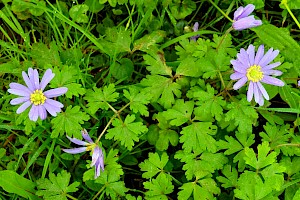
(37, 97)
(91, 147)
(254, 73)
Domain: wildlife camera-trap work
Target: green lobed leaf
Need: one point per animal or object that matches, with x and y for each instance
(188, 67)
(251, 186)
(165, 137)
(263, 159)
(202, 189)
(69, 122)
(156, 64)
(231, 177)
(159, 187)
(56, 187)
(14, 183)
(126, 132)
(238, 109)
(78, 13)
(232, 146)
(98, 98)
(148, 40)
(162, 89)
(154, 164)
(209, 104)
(138, 100)
(197, 137)
(180, 113)
(43, 55)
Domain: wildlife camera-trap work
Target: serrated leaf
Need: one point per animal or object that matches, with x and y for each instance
(69, 122)
(238, 109)
(273, 175)
(209, 104)
(263, 159)
(275, 135)
(292, 166)
(188, 67)
(126, 132)
(202, 166)
(43, 55)
(14, 183)
(159, 187)
(232, 145)
(197, 137)
(180, 113)
(165, 137)
(116, 41)
(231, 175)
(154, 164)
(138, 100)
(98, 98)
(156, 64)
(74, 89)
(56, 187)
(202, 190)
(162, 89)
(251, 186)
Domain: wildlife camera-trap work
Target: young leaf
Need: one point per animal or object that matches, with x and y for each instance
(263, 159)
(180, 113)
(98, 98)
(273, 175)
(56, 187)
(154, 164)
(69, 122)
(78, 13)
(14, 183)
(162, 89)
(126, 132)
(159, 187)
(138, 100)
(238, 109)
(197, 137)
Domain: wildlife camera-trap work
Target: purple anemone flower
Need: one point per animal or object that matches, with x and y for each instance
(33, 95)
(195, 28)
(242, 21)
(299, 83)
(97, 154)
(256, 69)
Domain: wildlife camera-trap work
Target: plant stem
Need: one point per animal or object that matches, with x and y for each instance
(220, 10)
(284, 2)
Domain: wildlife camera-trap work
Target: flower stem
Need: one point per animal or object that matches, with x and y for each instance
(284, 2)
(117, 113)
(223, 38)
(220, 10)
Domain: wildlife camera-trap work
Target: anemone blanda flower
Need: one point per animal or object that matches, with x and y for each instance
(256, 69)
(33, 95)
(195, 28)
(97, 154)
(299, 83)
(242, 20)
